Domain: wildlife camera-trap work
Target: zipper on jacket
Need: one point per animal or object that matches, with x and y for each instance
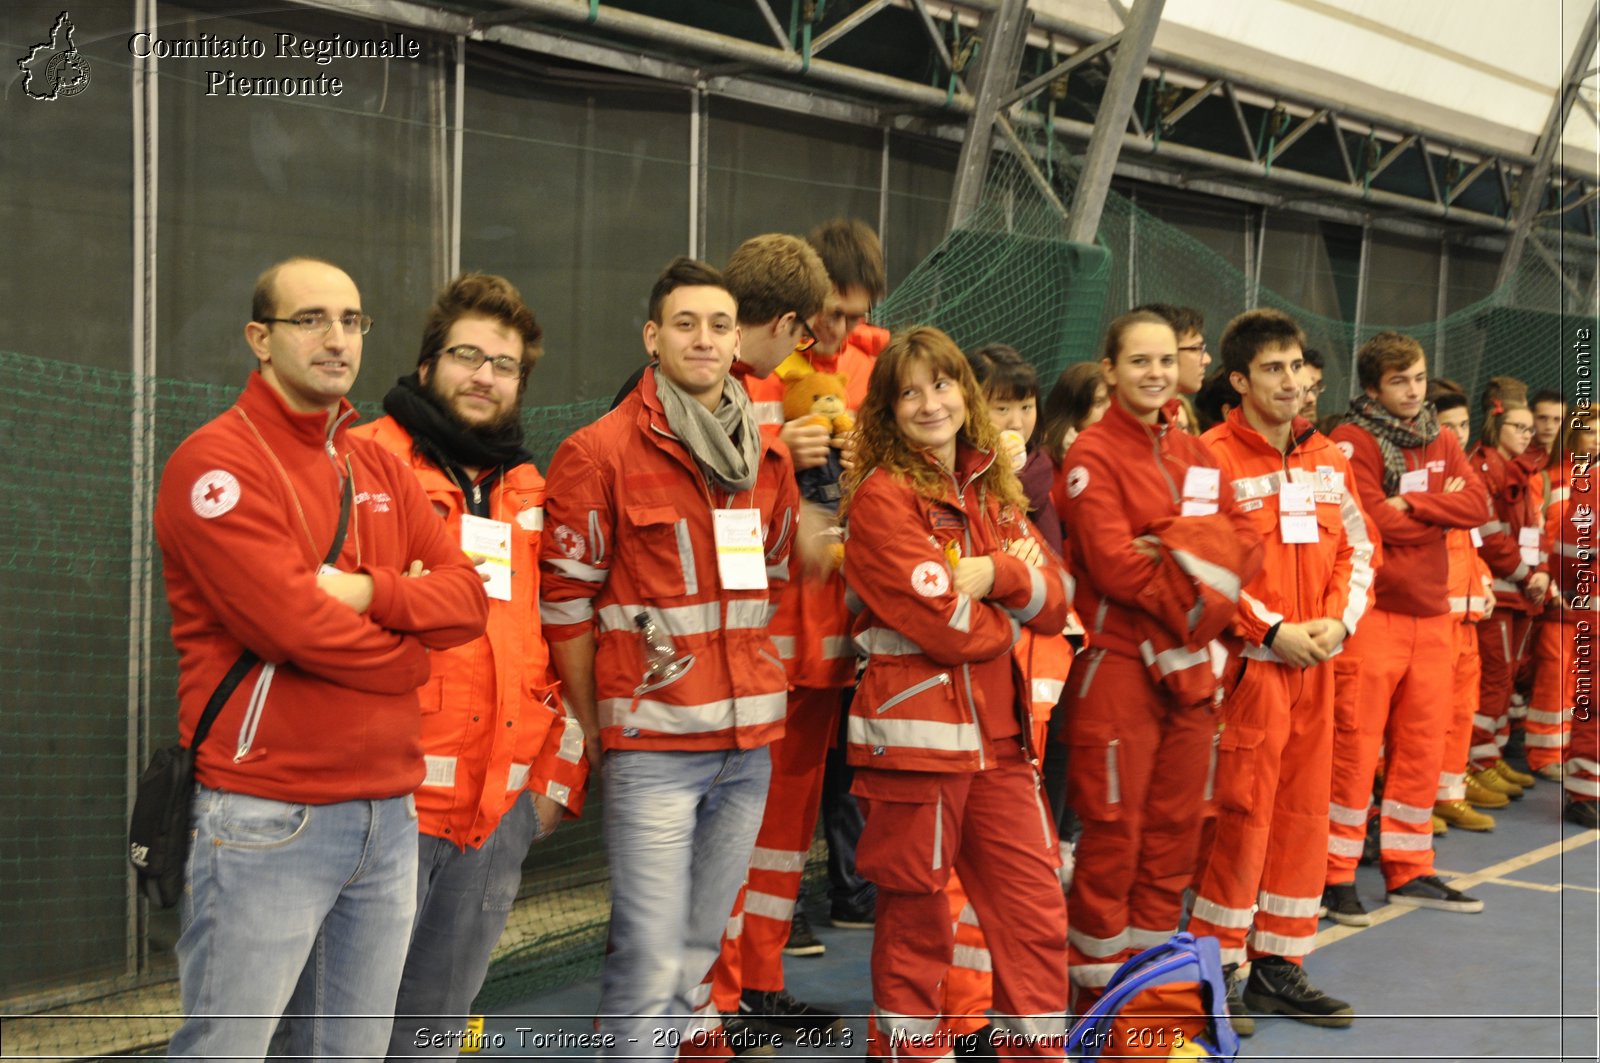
(972, 709)
(913, 691)
(1211, 766)
(1155, 448)
(1113, 779)
(253, 712)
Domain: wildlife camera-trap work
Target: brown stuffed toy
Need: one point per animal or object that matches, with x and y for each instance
(823, 396)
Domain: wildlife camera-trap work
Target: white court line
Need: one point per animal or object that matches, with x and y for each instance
(1542, 887)
(1390, 912)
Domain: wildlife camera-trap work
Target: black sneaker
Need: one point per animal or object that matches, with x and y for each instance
(978, 1044)
(1344, 905)
(779, 1010)
(850, 917)
(1429, 891)
(745, 1040)
(1243, 1023)
(1278, 987)
(1583, 813)
(802, 941)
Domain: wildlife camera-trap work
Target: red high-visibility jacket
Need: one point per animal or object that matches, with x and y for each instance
(1515, 509)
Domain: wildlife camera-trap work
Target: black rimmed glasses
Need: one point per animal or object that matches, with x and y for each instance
(320, 324)
(471, 359)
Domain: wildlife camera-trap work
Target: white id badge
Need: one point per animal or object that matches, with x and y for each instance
(1477, 538)
(488, 542)
(741, 561)
(1528, 540)
(1297, 513)
(1413, 481)
(1201, 488)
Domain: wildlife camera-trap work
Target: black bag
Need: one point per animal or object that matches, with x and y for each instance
(159, 830)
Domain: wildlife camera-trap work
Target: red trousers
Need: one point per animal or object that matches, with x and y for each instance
(1395, 664)
(1464, 679)
(752, 949)
(1266, 864)
(969, 986)
(1502, 644)
(1141, 772)
(1549, 709)
(992, 827)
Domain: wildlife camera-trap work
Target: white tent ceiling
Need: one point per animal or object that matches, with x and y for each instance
(1482, 71)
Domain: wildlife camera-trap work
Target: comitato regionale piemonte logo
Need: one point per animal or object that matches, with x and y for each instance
(55, 69)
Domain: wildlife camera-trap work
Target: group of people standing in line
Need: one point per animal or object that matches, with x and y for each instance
(1001, 627)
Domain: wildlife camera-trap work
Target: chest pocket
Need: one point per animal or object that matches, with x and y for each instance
(661, 552)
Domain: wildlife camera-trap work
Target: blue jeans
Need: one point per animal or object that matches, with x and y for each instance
(464, 897)
(310, 901)
(680, 828)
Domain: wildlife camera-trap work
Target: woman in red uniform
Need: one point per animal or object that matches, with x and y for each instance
(947, 569)
(1141, 760)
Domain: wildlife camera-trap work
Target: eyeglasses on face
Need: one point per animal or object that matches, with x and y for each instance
(1195, 348)
(470, 359)
(317, 323)
(810, 339)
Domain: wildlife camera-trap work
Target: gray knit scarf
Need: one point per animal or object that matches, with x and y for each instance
(1394, 435)
(725, 444)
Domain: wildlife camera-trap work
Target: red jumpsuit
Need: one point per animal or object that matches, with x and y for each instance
(1139, 763)
(1470, 593)
(1549, 711)
(940, 736)
(1263, 876)
(1514, 549)
(1579, 582)
(1394, 661)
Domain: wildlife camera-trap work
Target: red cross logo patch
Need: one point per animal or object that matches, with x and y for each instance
(930, 579)
(214, 493)
(569, 542)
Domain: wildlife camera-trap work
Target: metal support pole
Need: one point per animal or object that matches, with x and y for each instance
(1127, 69)
(1441, 307)
(1364, 263)
(1004, 34)
(1535, 179)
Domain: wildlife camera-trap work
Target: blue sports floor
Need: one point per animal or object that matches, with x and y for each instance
(1517, 982)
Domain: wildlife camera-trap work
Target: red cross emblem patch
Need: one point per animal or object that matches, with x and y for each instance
(214, 493)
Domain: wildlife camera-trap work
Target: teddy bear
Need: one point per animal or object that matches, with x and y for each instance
(822, 397)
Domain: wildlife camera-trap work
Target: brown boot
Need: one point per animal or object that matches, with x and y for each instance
(1461, 814)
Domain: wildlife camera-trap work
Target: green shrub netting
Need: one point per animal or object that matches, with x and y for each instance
(89, 676)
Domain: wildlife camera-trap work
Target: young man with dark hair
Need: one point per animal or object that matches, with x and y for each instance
(1314, 387)
(1264, 874)
(672, 520)
(1414, 484)
(1538, 684)
(1189, 325)
(303, 877)
(504, 761)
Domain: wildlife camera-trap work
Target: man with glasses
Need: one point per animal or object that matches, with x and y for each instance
(504, 761)
(1311, 373)
(302, 872)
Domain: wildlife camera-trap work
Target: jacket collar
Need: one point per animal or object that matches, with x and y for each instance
(1300, 430)
(1125, 424)
(268, 409)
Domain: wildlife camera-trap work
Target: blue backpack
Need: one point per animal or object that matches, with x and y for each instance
(1168, 1002)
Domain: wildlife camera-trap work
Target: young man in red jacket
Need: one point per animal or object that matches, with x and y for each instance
(671, 526)
(1414, 484)
(1263, 877)
(504, 760)
(302, 875)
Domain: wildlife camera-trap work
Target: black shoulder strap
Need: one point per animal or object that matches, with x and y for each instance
(248, 659)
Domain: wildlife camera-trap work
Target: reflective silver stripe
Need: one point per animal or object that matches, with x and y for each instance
(699, 619)
(889, 643)
(968, 916)
(1035, 599)
(1259, 610)
(1583, 764)
(781, 541)
(1253, 652)
(972, 958)
(1283, 944)
(691, 578)
(837, 646)
(914, 734)
(1574, 550)
(1494, 527)
(666, 718)
(1344, 846)
(1248, 487)
(597, 538)
(1579, 785)
(735, 926)
(571, 740)
(1092, 974)
(1047, 690)
(853, 602)
(439, 771)
(1544, 741)
(1212, 575)
(573, 611)
(785, 646)
(778, 571)
(1459, 604)
(517, 777)
(1097, 947)
(1361, 571)
(785, 860)
(1557, 496)
(1217, 915)
(1095, 657)
(1451, 778)
(1488, 751)
(892, 1025)
(1350, 817)
(559, 793)
(1541, 716)
(1233, 956)
(768, 906)
(1505, 586)
(938, 831)
(1484, 723)
(535, 515)
(767, 412)
(254, 710)
(961, 619)
(1168, 661)
(1407, 813)
(577, 569)
(1288, 907)
(746, 613)
(1139, 938)
(1397, 842)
